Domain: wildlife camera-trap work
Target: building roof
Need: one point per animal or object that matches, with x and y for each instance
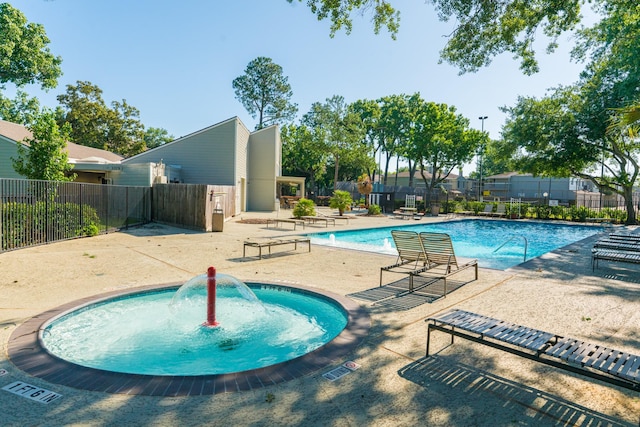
(76, 153)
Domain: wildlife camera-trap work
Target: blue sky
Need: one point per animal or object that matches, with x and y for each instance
(175, 61)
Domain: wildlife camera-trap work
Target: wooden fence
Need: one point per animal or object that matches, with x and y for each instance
(192, 205)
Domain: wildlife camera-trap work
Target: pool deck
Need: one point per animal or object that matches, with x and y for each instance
(462, 384)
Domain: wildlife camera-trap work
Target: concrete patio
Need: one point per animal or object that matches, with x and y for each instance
(462, 384)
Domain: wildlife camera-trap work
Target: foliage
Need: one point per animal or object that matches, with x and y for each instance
(340, 200)
(559, 136)
(46, 158)
(338, 130)
(483, 29)
(303, 153)
(304, 207)
(94, 124)
(364, 185)
(25, 57)
(581, 213)
(374, 210)
(339, 14)
(265, 92)
(155, 137)
(21, 110)
(441, 140)
(28, 224)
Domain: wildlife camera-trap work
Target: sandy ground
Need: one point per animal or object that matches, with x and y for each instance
(460, 385)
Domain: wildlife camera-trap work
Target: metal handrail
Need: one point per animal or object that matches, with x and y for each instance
(526, 243)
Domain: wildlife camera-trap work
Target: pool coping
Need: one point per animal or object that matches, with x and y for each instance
(27, 353)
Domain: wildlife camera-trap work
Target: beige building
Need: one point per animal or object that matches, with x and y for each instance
(224, 154)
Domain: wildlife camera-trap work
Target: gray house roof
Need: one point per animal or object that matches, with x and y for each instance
(77, 153)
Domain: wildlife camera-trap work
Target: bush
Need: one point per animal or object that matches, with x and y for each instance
(374, 210)
(340, 200)
(29, 224)
(304, 207)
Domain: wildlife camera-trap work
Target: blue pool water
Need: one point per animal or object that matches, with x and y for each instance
(478, 239)
(152, 333)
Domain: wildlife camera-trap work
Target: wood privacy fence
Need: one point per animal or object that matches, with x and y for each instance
(192, 205)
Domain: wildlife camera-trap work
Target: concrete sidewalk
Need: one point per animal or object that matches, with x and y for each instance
(463, 384)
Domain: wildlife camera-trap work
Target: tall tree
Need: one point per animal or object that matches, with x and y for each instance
(265, 93)
(369, 113)
(441, 140)
(46, 157)
(126, 132)
(155, 137)
(21, 110)
(86, 112)
(482, 29)
(303, 153)
(339, 127)
(94, 124)
(25, 57)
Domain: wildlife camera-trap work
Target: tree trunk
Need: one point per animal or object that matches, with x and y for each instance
(631, 209)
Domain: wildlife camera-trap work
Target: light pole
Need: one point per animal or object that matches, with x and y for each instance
(482, 118)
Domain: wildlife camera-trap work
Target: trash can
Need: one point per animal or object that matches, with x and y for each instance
(218, 220)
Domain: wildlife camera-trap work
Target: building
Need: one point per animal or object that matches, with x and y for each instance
(225, 154)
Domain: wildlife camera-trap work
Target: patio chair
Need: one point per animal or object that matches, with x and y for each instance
(488, 210)
(441, 258)
(411, 256)
(410, 201)
(501, 210)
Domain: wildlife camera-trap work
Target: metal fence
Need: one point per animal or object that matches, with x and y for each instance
(36, 212)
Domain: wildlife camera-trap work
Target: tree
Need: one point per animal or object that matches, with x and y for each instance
(155, 137)
(86, 112)
(550, 138)
(94, 124)
(21, 110)
(339, 128)
(25, 57)
(303, 153)
(369, 113)
(46, 158)
(340, 200)
(265, 93)
(125, 131)
(483, 29)
(441, 140)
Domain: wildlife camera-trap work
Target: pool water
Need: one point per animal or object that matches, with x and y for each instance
(495, 244)
(146, 333)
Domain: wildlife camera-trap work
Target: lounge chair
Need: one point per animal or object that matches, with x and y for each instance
(441, 258)
(411, 255)
(501, 210)
(488, 210)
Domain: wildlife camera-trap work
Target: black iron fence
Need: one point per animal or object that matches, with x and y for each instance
(36, 212)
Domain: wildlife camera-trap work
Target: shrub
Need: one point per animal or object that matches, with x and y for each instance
(31, 224)
(340, 200)
(374, 210)
(304, 207)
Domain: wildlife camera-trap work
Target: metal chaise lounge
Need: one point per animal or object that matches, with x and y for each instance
(590, 359)
(411, 255)
(488, 210)
(441, 258)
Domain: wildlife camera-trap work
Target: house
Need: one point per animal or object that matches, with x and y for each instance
(90, 164)
(534, 188)
(225, 154)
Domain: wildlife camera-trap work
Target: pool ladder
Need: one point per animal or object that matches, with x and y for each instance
(512, 238)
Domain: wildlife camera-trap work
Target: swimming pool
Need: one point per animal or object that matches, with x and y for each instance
(495, 244)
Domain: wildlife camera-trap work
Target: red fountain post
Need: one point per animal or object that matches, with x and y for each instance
(211, 298)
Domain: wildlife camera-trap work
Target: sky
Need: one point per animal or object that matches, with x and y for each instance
(175, 61)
